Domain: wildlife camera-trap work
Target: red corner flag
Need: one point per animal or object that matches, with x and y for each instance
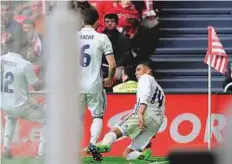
(218, 59)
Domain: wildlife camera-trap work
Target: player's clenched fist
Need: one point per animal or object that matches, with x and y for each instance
(108, 82)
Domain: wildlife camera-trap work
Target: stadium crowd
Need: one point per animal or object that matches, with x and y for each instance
(127, 23)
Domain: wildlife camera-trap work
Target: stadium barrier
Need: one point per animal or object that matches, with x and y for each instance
(184, 124)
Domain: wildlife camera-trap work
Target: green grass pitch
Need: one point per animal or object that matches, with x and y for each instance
(89, 160)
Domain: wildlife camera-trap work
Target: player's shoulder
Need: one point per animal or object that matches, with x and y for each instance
(91, 31)
(5, 55)
(21, 60)
(102, 35)
(146, 77)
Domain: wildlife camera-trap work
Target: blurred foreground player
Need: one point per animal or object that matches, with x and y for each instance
(144, 122)
(17, 75)
(93, 46)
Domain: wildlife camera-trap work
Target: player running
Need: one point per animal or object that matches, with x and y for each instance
(145, 120)
(93, 46)
(17, 75)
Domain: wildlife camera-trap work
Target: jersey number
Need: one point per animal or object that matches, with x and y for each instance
(85, 57)
(6, 81)
(157, 96)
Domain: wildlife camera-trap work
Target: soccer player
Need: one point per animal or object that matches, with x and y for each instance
(93, 46)
(17, 75)
(145, 120)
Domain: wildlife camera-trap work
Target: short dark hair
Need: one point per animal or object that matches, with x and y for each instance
(90, 16)
(130, 72)
(147, 63)
(112, 16)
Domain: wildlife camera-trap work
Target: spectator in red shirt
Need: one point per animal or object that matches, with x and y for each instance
(126, 12)
(102, 7)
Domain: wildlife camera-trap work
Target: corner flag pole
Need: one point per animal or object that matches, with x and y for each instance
(209, 85)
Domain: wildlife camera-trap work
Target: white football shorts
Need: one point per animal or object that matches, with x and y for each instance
(96, 103)
(129, 126)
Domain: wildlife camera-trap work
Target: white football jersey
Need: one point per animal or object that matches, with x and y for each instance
(17, 75)
(93, 46)
(150, 93)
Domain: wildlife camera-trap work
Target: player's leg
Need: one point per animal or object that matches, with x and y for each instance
(35, 112)
(131, 154)
(136, 150)
(80, 113)
(109, 139)
(10, 126)
(97, 105)
(126, 127)
(139, 144)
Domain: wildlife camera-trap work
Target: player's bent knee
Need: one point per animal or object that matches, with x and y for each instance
(118, 132)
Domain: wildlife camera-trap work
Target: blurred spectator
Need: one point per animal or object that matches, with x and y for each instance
(34, 50)
(33, 10)
(149, 28)
(227, 84)
(145, 7)
(148, 7)
(8, 25)
(36, 45)
(7, 18)
(143, 47)
(129, 84)
(120, 43)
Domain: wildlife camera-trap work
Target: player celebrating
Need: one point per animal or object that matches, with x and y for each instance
(145, 120)
(17, 75)
(93, 46)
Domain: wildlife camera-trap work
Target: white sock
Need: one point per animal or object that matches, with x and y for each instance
(109, 138)
(133, 155)
(41, 150)
(96, 129)
(9, 131)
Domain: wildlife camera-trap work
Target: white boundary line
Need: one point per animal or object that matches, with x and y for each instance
(161, 162)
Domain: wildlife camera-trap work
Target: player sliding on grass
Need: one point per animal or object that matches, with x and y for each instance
(145, 120)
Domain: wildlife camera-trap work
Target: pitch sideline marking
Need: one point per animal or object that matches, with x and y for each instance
(162, 162)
